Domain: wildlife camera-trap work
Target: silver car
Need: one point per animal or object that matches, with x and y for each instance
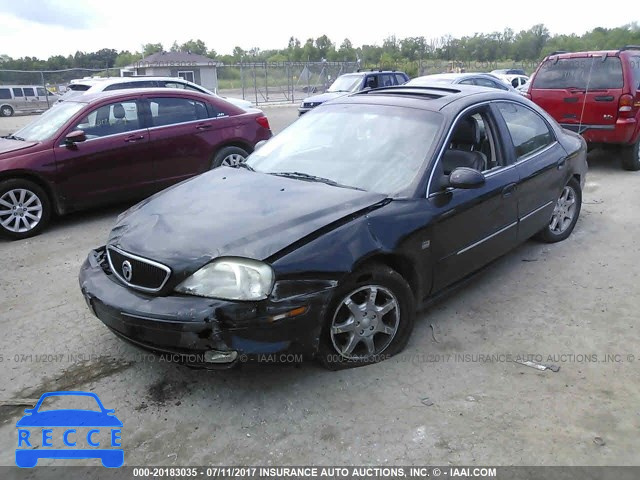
(94, 85)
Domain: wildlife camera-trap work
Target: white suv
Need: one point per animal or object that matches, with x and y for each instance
(94, 85)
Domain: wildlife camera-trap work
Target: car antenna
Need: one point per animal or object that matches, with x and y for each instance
(586, 91)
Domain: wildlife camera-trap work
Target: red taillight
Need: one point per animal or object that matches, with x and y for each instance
(626, 107)
(263, 122)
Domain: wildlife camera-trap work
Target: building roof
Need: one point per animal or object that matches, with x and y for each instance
(175, 59)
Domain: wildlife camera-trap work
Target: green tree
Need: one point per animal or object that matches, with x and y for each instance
(126, 58)
(194, 46)
(324, 46)
(151, 48)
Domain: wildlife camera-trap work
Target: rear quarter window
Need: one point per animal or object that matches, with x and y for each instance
(5, 94)
(582, 73)
(634, 63)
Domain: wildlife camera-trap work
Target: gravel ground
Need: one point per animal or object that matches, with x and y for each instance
(572, 304)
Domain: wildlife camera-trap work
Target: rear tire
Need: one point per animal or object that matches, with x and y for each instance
(229, 156)
(565, 214)
(631, 157)
(6, 111)
(25, 209)
(369, 319)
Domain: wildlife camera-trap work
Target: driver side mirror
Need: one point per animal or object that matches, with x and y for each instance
(75, 137)
(466, 178)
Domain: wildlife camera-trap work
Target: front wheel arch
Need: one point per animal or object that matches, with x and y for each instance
(56, 203)
(376, 276)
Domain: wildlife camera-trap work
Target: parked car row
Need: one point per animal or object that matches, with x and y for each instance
(363, 80)
(325, 239)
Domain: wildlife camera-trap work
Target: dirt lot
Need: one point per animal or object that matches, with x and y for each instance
(570, 304)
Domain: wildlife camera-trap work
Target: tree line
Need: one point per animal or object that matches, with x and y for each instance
(527, 45)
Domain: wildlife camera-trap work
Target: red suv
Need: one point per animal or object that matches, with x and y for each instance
(596, 94)
(114, 147)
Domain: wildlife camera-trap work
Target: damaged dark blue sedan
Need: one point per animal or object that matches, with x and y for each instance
(333, 233)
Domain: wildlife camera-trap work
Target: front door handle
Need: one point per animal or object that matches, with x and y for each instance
(203, 126)
(508, 190)
(133, 138)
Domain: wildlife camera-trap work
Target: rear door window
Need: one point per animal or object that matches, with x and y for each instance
(385, 80)
(485, 82)
(170, 111)
(529, 132)
(580, 73)
(28, 92)
(42, 92)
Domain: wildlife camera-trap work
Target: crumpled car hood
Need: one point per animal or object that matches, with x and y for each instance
(232, 212)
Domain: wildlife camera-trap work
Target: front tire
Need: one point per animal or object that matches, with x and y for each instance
(565, 214)
(25, 209)
(369, 319)
(229, 156)
(631, 157)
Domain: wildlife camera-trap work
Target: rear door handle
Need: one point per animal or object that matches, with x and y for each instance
(133, 138)
(508, 190)
(203, 126)
(561, 163)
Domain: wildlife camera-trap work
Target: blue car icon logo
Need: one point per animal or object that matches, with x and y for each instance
(70, 433)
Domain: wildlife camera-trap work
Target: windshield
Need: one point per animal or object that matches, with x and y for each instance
(345, 83)
(579, 73)
(370, 147)
(47, 124)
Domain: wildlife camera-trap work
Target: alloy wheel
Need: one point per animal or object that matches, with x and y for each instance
(20, 210)
(564, 211)
(365, 322)
(232, 160)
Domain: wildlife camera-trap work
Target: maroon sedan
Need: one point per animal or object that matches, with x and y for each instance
(117, 146)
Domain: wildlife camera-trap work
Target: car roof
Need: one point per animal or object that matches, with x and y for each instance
(133, 92)
(105, 82)
(432, 97)
(586, 53)
(441, 77)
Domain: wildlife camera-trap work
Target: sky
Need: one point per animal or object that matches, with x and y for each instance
(41, 28)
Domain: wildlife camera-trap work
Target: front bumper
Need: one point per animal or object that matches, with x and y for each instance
(203, 331)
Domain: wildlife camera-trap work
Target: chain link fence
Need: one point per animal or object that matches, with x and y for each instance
(55, 81)
(259, 82)
(279, 82)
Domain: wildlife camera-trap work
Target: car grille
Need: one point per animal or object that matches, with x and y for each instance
(310, 104)
(137, 272)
